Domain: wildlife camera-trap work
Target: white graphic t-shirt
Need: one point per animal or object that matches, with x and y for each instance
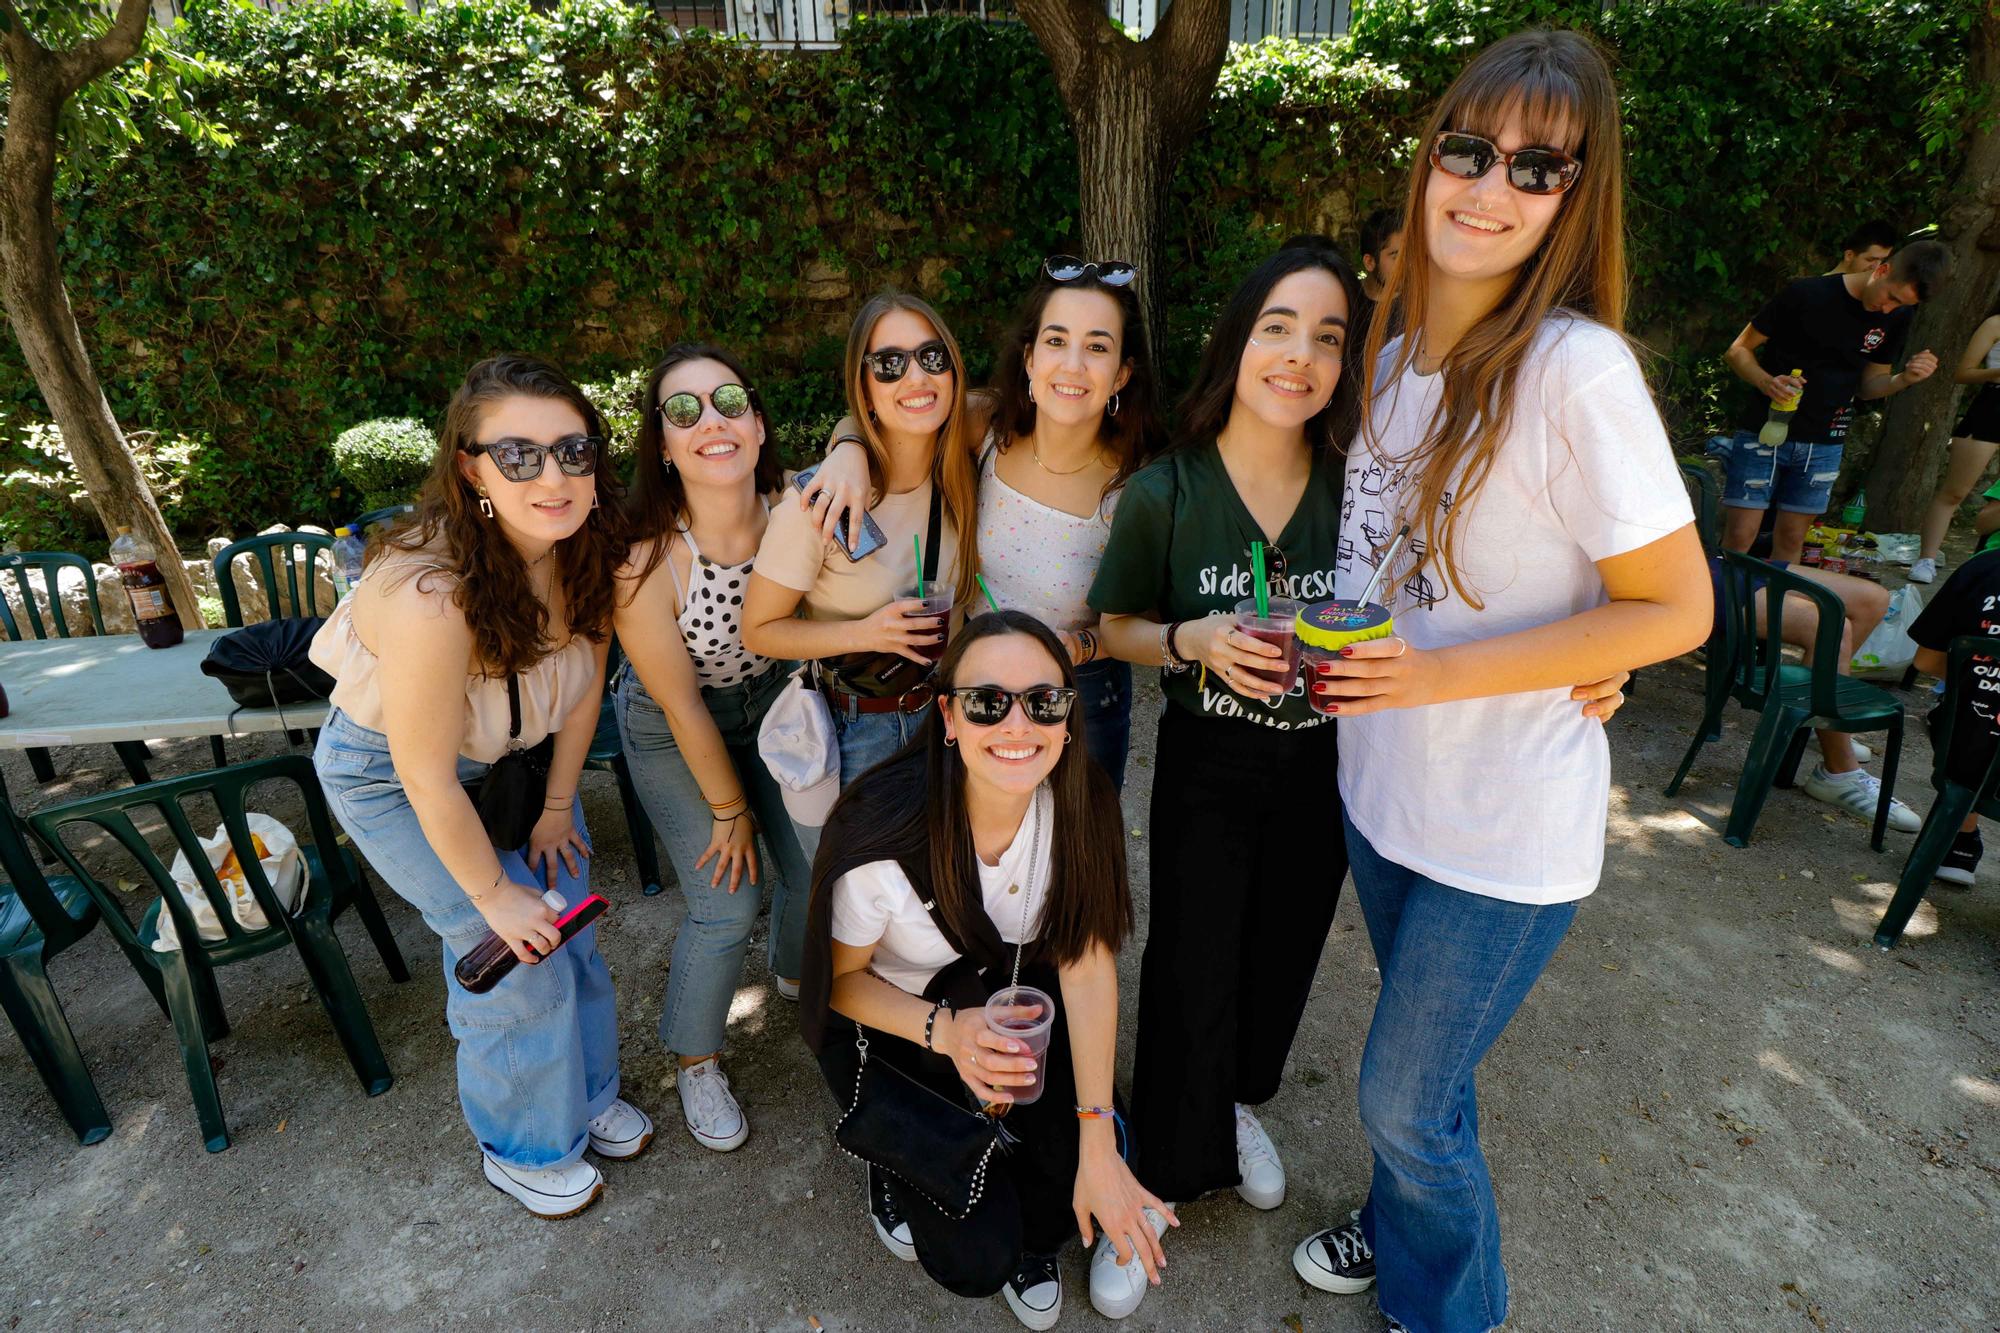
(1504, 796)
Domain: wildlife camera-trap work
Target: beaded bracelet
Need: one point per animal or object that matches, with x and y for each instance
(1096, 1113)
(930, 1020)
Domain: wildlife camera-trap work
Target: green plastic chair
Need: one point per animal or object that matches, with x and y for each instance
(1791, 698)
(40, 917)
(49, 564)
(607, 755)
(1955, 800)
(1705, 492)
(299, 553)
(186, 975)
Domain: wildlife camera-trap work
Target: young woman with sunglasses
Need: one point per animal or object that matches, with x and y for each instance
(1511, 429)
(479, 630)
(986, 853)
(1071, 417)
(872, 644)
(690, 705)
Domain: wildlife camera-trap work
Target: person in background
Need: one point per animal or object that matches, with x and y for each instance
(691, 702)
(1964, 605)
(1865, 247)
(501, 586)
(989, 829)
(1844, 334)
(1510, 431)
(1973, 443)
(1381, 255)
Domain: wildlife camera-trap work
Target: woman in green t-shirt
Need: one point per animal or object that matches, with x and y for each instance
(1242, 895)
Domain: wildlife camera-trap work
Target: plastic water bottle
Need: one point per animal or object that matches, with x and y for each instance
(347, 549)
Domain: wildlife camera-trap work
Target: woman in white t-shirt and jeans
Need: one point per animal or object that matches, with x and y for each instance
(1511, 428)
(993, 823)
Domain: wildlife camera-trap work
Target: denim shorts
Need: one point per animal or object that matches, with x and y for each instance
(1796, 476)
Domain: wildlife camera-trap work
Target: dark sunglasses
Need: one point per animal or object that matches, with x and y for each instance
(684, 409)
(521, 460)
(1529, 170)
(988, 705)
(892, 363)
(1110, 272)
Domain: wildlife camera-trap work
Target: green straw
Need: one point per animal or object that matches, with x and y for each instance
(917, 543)
(990, 599)
(1257, 572)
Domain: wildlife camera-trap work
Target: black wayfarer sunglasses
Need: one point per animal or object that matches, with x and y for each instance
(988, 705)
(521, 460)
(892, 363)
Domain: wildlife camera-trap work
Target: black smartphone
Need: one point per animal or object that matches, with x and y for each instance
(872, 539)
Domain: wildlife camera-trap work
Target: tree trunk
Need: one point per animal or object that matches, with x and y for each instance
(38, 308)
(1135, 106)
(1916, 435)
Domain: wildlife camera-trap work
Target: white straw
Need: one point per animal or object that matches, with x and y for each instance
(1388, 555)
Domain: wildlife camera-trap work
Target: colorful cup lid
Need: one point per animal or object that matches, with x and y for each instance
(1334, 623)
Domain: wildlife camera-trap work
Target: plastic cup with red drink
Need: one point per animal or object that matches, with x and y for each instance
(1028, 1016)
(1274, 626)
(1324, 628)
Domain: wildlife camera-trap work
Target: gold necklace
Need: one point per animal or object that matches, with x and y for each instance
(1036, 452)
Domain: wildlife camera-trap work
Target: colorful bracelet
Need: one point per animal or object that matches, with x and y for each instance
(1096, 1113)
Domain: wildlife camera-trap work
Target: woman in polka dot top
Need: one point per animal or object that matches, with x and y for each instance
(690, 704)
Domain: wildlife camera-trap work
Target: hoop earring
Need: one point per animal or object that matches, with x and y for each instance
(1066, 738)
(1031, 391)
(485, 505)
(949, 742)
(1112, 409)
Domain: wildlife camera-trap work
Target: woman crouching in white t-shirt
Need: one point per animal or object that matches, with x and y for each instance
(988, 850)
(1511, 430)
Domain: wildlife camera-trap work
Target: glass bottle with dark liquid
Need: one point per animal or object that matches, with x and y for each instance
(152, 605)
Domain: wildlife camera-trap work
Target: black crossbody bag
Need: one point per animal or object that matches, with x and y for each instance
(510, 793)
(873, 675)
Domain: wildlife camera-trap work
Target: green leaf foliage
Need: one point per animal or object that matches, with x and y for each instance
(385, 459)
(389, 197)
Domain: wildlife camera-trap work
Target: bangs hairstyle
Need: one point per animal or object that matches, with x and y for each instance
(1560, 83)
(911, 807)
(489, 579)
(953, 470)
(1135, 433)
(658, 503)
(1204, 409)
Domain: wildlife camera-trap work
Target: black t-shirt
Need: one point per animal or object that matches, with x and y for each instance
(1968, 603)
(1816, 326)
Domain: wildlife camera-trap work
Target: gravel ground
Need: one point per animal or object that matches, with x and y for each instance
(1721, 1108)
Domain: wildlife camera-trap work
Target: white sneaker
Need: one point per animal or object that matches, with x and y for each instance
(552, 1192)
(787, 990)
(1858, 793)
(1116, 1289)
(709, 1108)
(1035, 1293)
(623, 1131)
(1923, 571)
(1257, 1162)
(1862, 754)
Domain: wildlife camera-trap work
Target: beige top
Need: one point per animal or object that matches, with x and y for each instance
(549, 689)
(836, 588)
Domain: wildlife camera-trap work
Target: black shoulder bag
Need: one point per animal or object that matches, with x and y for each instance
(510, 793)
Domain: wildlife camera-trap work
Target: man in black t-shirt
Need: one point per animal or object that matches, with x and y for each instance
(1867, 245)
(1968, 603)
(1844, 335)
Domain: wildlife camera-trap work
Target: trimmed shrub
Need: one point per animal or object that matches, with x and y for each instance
(385, 459)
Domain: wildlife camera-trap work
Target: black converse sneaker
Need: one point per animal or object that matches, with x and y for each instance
(1337, 1259)
(889, 1224)
(1035, 1293)
(1961, 863)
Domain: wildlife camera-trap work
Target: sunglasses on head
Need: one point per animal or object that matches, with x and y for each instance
(988, 705)
(1529, 170)
(684, 409)
(892, 363)
(1068, 268)
(521, 460)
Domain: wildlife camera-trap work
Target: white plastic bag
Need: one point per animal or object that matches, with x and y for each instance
(1889, 649)
(283, 866)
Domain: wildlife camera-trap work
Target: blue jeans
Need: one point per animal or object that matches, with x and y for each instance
(537, 1054)
(1105, 690)
(708, 951)
(1455, 966)
(1796, 476)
